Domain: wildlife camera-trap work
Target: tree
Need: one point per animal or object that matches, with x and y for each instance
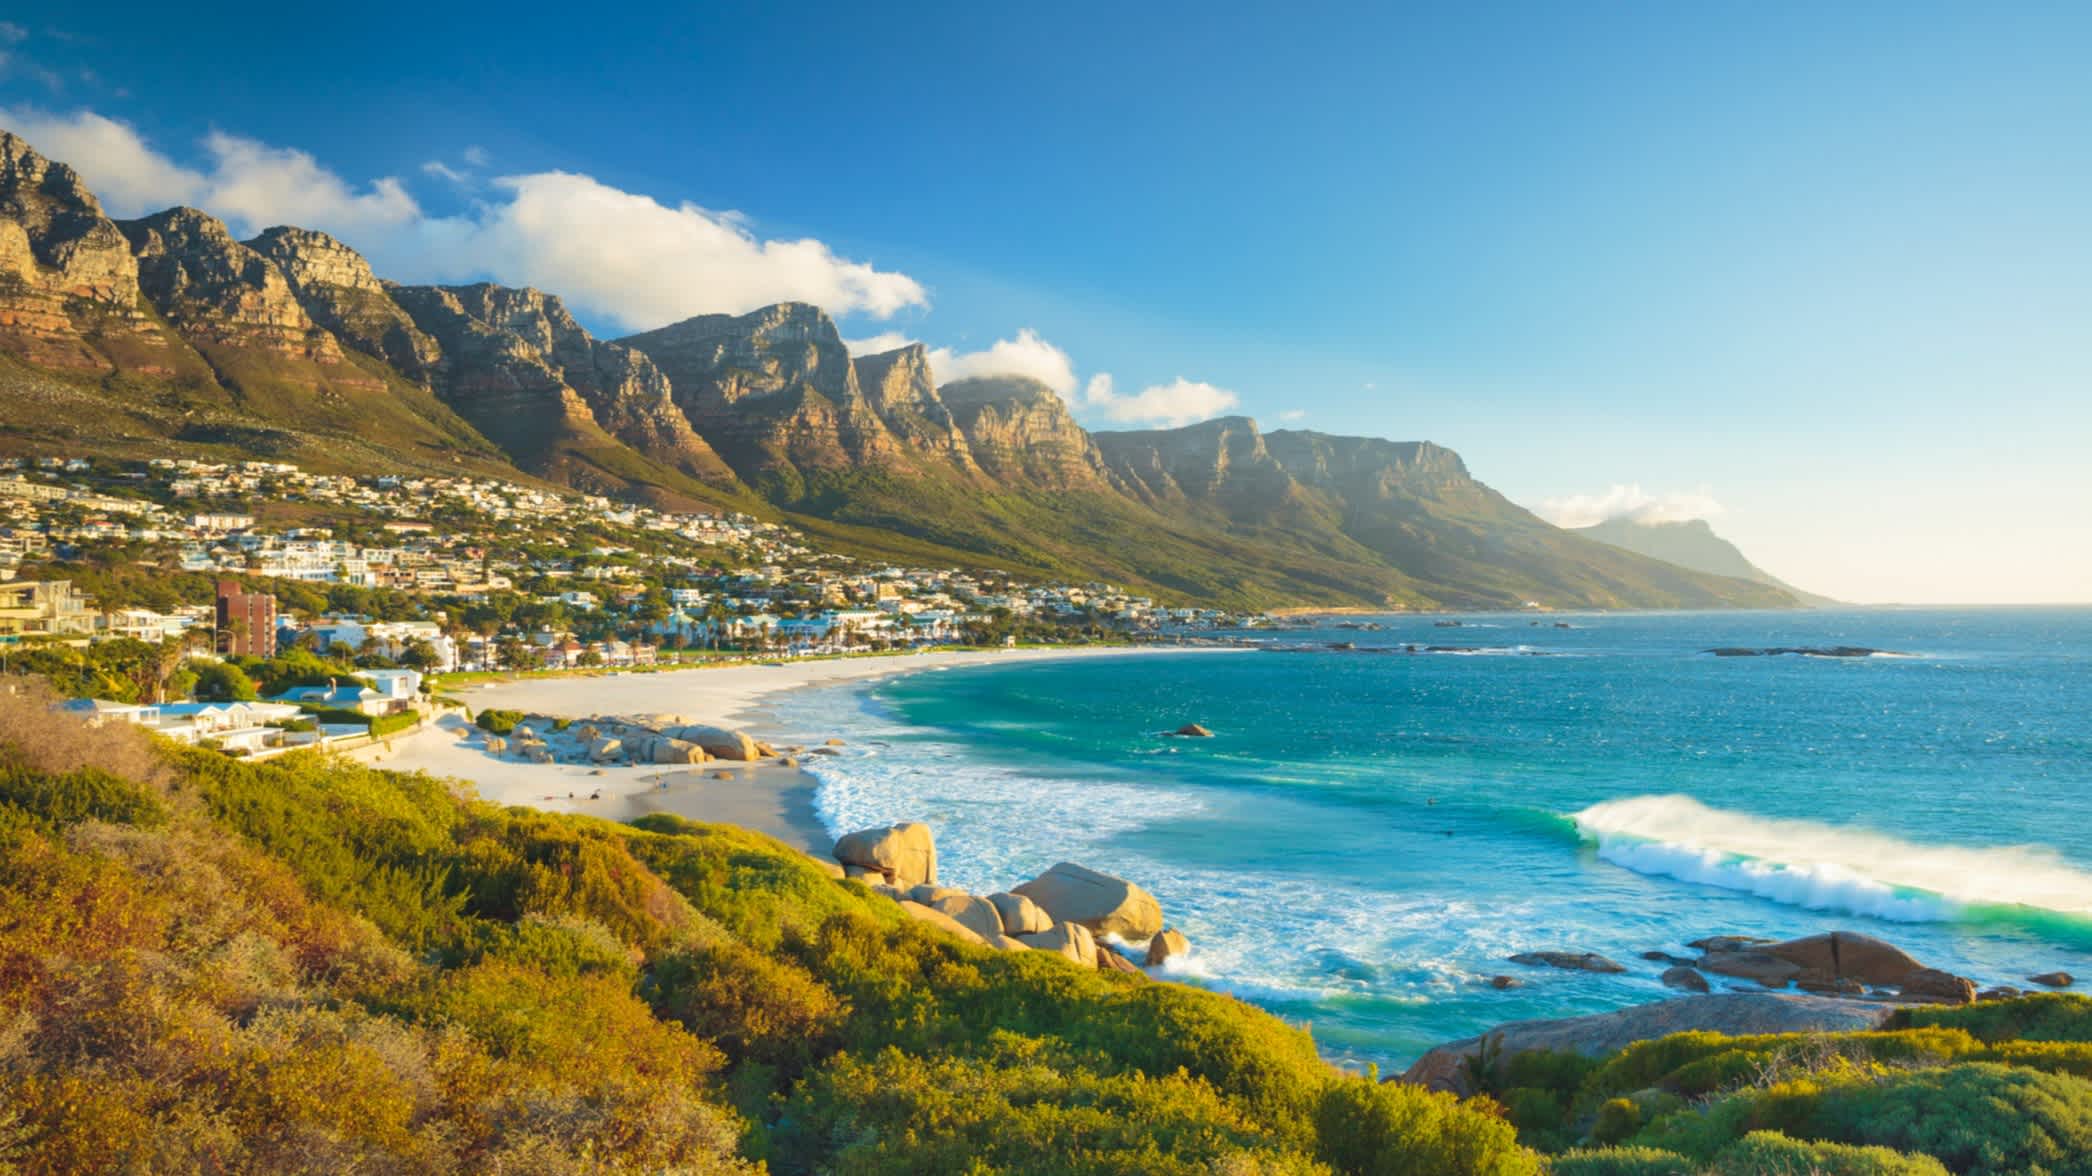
(420, 655)
(218, 681)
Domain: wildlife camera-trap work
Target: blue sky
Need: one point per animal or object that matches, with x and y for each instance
(1822, 271)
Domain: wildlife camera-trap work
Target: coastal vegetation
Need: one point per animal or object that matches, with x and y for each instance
(309, 965)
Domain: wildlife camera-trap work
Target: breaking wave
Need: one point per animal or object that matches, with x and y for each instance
(1827, 868)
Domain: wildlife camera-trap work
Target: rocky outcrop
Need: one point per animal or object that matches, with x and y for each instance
(1100, 902)
(520, 340)
(774, 392)
(1448, 1067)
(220, 294)
(1021, 434)
(68, 281)
(336, 287)
(2053, 979)
(976, 914)
(1933, 985)
(1847, 955)
(899, 386)
(1222, 462)
(905, 854)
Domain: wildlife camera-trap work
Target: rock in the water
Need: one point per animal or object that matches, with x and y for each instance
(1193, 731)
(1846, 955)
(1664, 957)
(1501, 983)
(1446, 1068)
(1020, 915)
(1104, 904)
(938, 918)
(2053, 980)
(1769, 970)
(904, 853)
(1071, 940)
(1931, 984)
(1574, 961)
(1167, 942)
(975, 914)
(1727, 942)
(1683, 977)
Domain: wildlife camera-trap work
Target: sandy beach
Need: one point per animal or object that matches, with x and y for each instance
(768, 797)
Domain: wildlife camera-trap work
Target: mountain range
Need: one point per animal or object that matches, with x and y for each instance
(1691, 543)
(166, 333)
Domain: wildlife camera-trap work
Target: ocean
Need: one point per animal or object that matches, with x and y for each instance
(1372, 831)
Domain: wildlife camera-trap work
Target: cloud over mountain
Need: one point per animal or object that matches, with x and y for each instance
(1627, 501)
(1025, 355)
(1179, 402)
(618, 255)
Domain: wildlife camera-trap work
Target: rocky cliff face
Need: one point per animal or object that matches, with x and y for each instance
(338, 290)
(68, 281)
(900, 388)
(775, 393)
(621, 389)
(1020, 432)
(1366, 468)
(1223, 460)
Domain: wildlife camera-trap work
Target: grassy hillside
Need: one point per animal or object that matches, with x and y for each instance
(311, 966)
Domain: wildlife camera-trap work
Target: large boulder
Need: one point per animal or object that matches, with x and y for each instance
(937, 918)
(1167, 942)
(676, 751)
(905, 854)
(978, 914)
(1737, 1013)
(1020, 915)
(1070, 940)
(1931, 984)
(928, 894)
(717, 742)
(1846, 955)
(2053, 979)
(1109, 960)
(1104, 904)
(605, 749)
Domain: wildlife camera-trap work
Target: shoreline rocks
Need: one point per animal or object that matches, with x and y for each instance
(1098, 901)
(1449, 1067)
(905, 854)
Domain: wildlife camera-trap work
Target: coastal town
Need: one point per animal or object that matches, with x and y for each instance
(232, 602)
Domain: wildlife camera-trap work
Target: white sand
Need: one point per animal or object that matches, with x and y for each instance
(774, 799)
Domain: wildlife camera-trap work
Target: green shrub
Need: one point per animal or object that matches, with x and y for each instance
(88, 794)
(497, 722)
(1622, 1161)
(2042, 1016)
(1765, 1153)
(1392, 1128)
(2056, 1057)
(1618, 1120)
(384, 725)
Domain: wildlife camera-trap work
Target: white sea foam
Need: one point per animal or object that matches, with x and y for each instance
(1823, 867)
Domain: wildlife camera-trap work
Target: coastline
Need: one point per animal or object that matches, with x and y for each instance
(767, 797)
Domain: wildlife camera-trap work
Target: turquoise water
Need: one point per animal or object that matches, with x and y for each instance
(1370, 833)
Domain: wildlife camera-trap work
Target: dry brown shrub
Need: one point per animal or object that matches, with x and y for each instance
(34, 733)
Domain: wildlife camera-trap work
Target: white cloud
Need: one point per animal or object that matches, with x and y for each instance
(443, 171)
(12, 33)
(1292, 414)
(882, 342)
(1179, 402)
(476, 156)
(1628, 501)
(1025, 355)
(617, 255)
